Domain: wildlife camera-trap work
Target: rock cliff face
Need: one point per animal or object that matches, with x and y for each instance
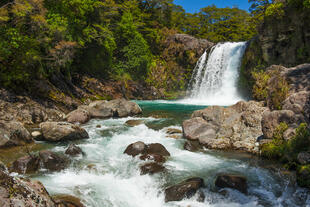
(282, 40)
(178, 59)
(295, 108)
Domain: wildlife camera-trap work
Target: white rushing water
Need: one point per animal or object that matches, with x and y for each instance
(215, 77)
(106, 177)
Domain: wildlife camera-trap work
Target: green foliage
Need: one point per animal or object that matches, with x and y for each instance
(301, 141)
(274, 92)
(109, 39)
(260, 88)
(134, 56)
(285, 150)
(277, 147)
(303, 176)
(275, 10)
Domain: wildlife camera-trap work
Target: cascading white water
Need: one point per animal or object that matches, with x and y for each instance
(214, 81)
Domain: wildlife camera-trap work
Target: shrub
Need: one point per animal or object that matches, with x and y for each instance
(260, 88)
(277, 147)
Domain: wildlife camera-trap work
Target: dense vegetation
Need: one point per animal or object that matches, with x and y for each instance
(113, 39)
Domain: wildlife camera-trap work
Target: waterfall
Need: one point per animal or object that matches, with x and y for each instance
(214, 81)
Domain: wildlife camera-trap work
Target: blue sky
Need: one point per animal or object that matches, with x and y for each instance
(193, 6)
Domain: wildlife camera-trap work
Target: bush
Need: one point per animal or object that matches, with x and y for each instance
(260, 88)
(277, 147)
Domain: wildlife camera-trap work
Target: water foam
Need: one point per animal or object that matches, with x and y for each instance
(107, 177)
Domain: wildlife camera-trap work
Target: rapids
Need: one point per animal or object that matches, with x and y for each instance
(106, 177)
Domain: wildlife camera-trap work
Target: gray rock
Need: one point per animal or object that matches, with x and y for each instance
(26, 192)
(303, 158)
(235, 127)
(114, 108)
(78, 116)
(197, 128)
(13, 134)
(272, 119)
(61, 131)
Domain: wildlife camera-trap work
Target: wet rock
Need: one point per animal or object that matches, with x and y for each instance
(22, 192)
(61, 131)
(78, 116)
(186, 189)
(153, 157)
(98, 126)
(174, 136)
(151, 168)
(150, 149)
(303, 158)
(157, 148)
(13, 134)
(67, 201)
(26, 165)
(235, 127)
(135, 149)
(174, 131)
(133, 123)
(192, 146)
(74, 150)
(52, 161)
(232, 181)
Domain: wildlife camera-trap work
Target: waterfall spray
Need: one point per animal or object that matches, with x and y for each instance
(214, 80)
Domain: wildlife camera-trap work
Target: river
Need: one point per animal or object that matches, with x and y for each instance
(105, 177)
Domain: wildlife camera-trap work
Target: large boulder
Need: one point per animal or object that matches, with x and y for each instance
(23, 192)
(185, 189)
(13, 134)
(114, 108)
(157, 148)
(62, 131)
(232, 181)
(135, 149)
(78, 116)
(235, 127)
(154, 149)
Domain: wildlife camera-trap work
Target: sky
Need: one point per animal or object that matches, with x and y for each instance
(193, 6)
